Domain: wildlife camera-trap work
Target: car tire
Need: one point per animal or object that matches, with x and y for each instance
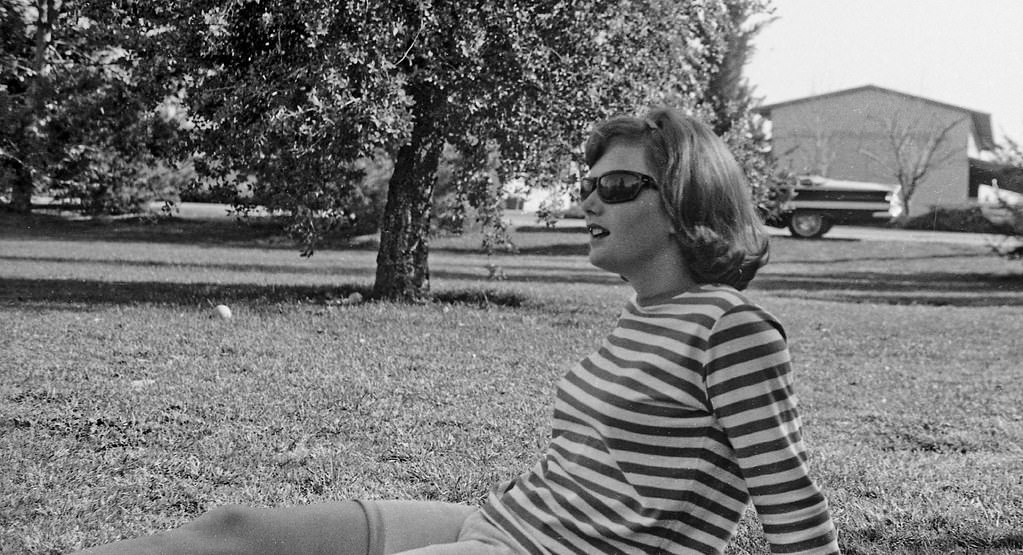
(808, 225)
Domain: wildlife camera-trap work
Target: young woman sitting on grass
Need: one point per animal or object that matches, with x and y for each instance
(661, 437)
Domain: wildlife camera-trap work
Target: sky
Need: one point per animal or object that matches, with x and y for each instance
(963, 52)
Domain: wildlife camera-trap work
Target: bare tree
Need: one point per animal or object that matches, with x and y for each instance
(823, 153)
(912, 148)
(815, 144)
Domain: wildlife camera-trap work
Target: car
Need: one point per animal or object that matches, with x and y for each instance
(817, 203)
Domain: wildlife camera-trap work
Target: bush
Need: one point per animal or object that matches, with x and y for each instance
(104, 182)
(209, 192)
(969, 219)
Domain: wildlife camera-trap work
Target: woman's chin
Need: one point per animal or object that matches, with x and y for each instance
(598, 260)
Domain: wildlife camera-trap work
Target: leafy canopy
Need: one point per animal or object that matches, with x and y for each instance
(295, 93)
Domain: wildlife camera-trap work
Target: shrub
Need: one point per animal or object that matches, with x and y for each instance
(105, 182)
(969, 219)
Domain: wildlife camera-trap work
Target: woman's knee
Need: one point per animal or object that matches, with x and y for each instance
(227, 523)
(318, 528)
(220, 531)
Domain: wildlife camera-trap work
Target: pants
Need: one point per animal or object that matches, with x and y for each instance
(431, 528)
(334, 528)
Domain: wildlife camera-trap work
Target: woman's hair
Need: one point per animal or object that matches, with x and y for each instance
(702, 188)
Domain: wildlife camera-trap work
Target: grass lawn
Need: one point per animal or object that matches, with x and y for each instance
(127, 407)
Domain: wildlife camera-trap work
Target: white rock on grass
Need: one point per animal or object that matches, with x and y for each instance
(222, 311)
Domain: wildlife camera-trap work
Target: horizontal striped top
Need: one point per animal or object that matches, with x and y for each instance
(663, 436)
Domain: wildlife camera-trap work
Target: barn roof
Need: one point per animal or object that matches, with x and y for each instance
(981, 120)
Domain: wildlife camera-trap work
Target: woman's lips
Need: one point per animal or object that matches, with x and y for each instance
(596, 231)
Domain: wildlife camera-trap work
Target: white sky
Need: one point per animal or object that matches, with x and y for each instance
(963, 52)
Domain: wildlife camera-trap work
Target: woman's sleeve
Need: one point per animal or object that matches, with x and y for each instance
(749, 386)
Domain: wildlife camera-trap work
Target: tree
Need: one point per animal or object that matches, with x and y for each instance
(79, 97)
(294, 93)
(26, 41)
(914, 146)
(1009, 153)
(1008, 214)
(729, 94)
(730, 99)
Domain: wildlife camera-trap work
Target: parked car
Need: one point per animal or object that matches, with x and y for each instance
(817, 203)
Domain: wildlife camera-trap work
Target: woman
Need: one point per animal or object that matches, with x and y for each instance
(660, 438)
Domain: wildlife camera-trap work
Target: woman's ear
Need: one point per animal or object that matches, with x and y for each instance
(669, 222)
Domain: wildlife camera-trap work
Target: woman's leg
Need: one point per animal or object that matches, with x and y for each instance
(397, 526)
(477, 537)
(322, 529)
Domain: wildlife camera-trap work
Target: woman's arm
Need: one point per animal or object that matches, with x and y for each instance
(749, 385)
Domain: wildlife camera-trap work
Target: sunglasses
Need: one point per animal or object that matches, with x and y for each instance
(615, 186)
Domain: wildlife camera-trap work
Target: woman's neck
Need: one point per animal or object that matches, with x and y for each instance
(661, 281)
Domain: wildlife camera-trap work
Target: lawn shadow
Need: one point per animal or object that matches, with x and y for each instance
(502, 271)
(525, 274)
(329, 270)
(923, 288)
(576, 228)
(556, 249)
(70, 293)
(262, 232)
(61, 292)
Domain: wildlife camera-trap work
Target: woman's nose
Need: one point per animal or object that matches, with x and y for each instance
(591, 203)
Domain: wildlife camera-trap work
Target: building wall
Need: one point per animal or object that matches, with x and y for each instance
(831, 135)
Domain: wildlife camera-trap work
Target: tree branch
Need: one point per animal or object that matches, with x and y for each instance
(934, 143)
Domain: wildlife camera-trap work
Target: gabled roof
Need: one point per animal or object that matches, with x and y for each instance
(981, 120)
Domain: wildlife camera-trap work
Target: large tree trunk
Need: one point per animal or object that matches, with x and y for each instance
(21, 188)
(22, 185)
(402, 269)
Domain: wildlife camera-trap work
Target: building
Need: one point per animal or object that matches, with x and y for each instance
(870, 134)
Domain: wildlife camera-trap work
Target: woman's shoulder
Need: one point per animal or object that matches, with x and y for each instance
(739, 312)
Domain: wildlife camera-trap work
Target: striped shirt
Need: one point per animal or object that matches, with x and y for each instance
(663, 436)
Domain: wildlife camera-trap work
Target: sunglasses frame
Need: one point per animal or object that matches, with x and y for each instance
(594, 185)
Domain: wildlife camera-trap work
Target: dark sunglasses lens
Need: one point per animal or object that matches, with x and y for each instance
(619, 187)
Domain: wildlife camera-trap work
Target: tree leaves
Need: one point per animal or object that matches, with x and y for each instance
(298, 94)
